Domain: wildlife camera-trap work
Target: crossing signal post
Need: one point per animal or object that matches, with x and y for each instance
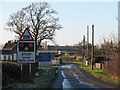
(26, 49)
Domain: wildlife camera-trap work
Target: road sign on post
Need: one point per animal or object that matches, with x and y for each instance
(26, 48)
(45, 59)
(45, 56)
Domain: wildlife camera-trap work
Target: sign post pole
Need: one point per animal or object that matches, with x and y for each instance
(21, 68)
(45, 61)
(30, 69)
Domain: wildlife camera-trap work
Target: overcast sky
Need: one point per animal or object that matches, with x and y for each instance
(74, 17)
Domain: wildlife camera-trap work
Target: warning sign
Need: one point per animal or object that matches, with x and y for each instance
(26, 48)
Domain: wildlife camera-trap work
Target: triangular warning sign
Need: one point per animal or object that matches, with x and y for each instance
(26, 36)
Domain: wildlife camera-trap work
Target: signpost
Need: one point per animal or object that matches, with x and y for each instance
(26, 52)
(26, 49)
(45, 60)
(45, 56)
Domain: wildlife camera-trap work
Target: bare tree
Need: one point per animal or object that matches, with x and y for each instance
(39, 17)
(78, 48)
(110, 44)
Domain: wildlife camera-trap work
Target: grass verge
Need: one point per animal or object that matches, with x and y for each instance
(79, 63)
(43, 79)
(99, 73)
(46, 76)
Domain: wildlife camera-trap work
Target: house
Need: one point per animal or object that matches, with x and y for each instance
(8, 52)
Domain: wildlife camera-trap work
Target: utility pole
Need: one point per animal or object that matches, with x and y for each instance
(92, 51)
(119, 26)
(119, 21)
(87, 42)
(83, 49)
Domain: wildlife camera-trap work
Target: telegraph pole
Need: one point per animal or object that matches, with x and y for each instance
(87, 42)
(83, 49)
(119, 26)
(92, 51)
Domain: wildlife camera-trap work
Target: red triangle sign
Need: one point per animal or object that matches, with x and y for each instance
(26, 36)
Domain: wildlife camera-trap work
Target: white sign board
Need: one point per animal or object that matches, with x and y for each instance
(26, 52)
(26, 48)
(26, 36)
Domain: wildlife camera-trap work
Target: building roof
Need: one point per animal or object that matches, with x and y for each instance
(9, 45)
(62, 48)
(9, 48)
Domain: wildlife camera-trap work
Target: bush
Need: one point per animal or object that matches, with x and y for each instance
(10, 73)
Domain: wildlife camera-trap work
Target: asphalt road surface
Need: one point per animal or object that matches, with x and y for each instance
(71, 76)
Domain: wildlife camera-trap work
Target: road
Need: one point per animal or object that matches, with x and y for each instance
(73, 77)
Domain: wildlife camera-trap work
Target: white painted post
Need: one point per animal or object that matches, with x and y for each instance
(87, 42)
(21, 68)
(30, 69)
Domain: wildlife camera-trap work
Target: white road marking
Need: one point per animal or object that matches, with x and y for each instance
(56, 71)
(63, 74)
(65, 82)
(68, 66)
(81, 82)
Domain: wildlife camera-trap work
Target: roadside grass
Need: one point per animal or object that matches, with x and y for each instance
(99, 73)
(79, 63)
(72, 62)
(46, 76)
(42, 80)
